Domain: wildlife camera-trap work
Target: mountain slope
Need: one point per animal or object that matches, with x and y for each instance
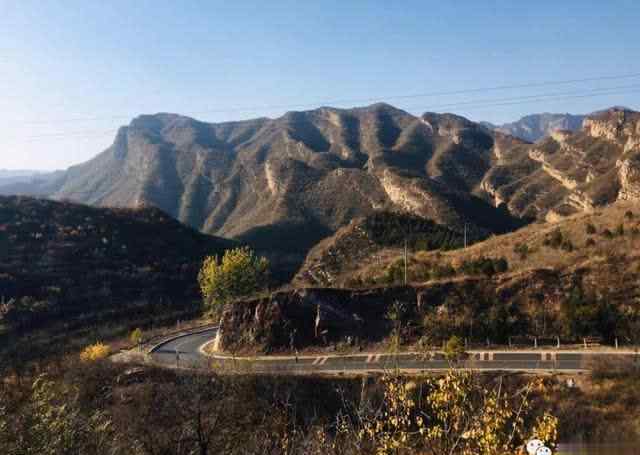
(11, 176)
(571, 279)
(296, 179)
(72, 267)
(30, 183)
(289, 182)
(569, 172)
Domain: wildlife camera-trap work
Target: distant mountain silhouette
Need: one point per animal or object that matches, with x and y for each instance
(536, 126)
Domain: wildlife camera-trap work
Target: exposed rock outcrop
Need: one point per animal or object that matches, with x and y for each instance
(629, 171)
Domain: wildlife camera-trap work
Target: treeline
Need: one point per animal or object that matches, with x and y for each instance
(580, 314)
(419, 271)
(390, 229)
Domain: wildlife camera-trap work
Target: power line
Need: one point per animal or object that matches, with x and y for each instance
(72, 134)
(483, 103)
(359, 100)
(597, 91)
(567, 97)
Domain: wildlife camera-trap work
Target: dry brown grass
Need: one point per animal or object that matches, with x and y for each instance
(540, 256)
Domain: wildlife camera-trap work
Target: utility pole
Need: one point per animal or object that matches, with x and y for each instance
(465, 235)
(405, 261)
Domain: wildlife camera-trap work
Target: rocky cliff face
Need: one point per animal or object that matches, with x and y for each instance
(571, 171)
(629, 172)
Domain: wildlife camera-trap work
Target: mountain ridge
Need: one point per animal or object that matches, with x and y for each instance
(291, 181)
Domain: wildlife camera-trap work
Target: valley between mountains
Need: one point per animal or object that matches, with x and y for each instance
(331, 197)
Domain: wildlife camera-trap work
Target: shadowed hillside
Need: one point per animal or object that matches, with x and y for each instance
(69, 268)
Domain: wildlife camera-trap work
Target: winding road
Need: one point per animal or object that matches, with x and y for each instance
(187, 351)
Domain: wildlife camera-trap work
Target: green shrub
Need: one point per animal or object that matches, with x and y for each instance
(442, 271)
(454, 349)
(484, 266)
(395, 272)
(585, 314)
(554, 240)
(522, 250)
(607, 234)
(567, 245)
(136, 336)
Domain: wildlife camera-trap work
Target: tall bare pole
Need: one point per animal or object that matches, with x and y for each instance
(405, 261)
(465, 235)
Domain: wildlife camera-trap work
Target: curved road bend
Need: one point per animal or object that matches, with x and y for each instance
(185, 352)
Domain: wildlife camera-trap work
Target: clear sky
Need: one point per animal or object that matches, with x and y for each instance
(71, 72)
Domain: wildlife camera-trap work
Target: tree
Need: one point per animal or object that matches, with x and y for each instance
(454, 349)
(394, 315)
(470, 419)
(238, 274)
(136, 336)
(458, 413)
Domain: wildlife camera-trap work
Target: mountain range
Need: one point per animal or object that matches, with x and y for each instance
(15, 176)
(287, 183)
(533, 127)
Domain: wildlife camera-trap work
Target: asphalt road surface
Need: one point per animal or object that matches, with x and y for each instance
(185, 352)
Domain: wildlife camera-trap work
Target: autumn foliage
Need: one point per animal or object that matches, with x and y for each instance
(239, 273)
(97, 351)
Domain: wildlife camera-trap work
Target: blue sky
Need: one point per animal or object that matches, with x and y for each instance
(71, 72)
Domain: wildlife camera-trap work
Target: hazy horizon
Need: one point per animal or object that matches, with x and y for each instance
(72, 75)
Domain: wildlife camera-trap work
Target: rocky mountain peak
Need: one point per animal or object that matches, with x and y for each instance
(617, 125)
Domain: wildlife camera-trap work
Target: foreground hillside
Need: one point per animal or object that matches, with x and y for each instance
(365, 239)
(68, 268)
(571, 279)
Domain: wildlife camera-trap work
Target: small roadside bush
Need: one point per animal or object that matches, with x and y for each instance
(628, 215)
(136, 336)
(590, 242)
(454, 349)
(620, 230)
(591, 229)
(94, 352)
